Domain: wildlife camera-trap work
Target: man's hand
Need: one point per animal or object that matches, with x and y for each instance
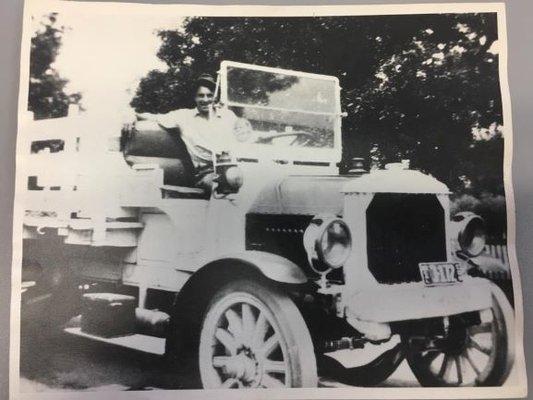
(206, 182)
(243, 131)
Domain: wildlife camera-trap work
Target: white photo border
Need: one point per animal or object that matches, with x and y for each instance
(517, 389)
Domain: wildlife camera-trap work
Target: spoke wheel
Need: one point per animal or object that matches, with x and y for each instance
(254, 337)
(480, 355)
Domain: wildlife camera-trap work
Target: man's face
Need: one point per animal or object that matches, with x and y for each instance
(204, 99)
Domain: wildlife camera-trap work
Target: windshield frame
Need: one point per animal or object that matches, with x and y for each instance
(291, 153)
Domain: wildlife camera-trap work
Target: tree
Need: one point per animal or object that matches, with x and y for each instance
(47, 97)
(296, 43)
(414, 86)
(437, 102)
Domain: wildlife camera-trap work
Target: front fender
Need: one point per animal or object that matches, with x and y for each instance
(272, 266)
(194, 297)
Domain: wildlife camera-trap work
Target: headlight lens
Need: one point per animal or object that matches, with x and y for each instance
(471, 234)
(328, 242)
(234, 177)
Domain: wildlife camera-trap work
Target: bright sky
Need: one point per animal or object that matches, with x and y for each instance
(104, 56)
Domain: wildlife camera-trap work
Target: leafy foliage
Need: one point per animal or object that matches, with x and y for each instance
(414, 86)
(47, 98)
(248, 86)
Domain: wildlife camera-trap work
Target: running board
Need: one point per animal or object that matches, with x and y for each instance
(139, 342)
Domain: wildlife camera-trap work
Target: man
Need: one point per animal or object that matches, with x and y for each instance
(205, 130)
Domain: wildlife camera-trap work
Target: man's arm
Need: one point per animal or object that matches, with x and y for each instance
(169, 120)
(240, 130)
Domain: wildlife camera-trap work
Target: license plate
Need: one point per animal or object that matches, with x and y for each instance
(440, 273)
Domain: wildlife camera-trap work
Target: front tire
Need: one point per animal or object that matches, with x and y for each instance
(254, 336)
(484, 358)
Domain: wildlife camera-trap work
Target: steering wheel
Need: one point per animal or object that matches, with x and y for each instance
(301, 138)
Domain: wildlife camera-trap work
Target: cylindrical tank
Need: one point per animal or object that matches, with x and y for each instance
(146, 142)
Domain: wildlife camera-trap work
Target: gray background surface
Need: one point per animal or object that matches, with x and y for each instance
(520, 32)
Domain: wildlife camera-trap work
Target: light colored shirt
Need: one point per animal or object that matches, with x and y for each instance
(202, 135)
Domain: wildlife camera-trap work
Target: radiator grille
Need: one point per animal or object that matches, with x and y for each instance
(402, 231)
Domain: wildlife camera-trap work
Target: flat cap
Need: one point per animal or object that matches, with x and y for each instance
(207, 81)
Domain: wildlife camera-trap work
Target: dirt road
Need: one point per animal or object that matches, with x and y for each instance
(65, 362)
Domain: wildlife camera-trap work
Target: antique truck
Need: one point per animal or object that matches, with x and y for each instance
(285, 271)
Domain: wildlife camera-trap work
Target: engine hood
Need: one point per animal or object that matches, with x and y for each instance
(311, 195)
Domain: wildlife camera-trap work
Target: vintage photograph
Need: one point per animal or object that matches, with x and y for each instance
(265, 198)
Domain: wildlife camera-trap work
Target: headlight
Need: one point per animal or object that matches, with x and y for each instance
(328, 243)
(234, 177)
(470, 230)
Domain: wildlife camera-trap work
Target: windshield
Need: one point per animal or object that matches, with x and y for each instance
(283, 109)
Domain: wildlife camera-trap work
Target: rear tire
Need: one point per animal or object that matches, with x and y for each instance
(53, 301)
